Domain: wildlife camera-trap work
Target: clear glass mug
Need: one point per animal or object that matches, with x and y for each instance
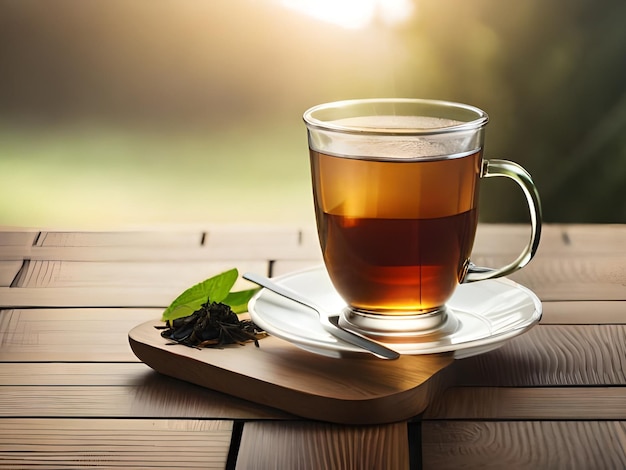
(395, 186)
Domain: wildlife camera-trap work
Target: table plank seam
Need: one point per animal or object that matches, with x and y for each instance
(235, 444)
(18, 279)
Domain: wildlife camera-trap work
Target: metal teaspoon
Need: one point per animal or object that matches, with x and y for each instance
(330, 323)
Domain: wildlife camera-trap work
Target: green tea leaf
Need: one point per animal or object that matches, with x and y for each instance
(238, 301)
(219, 286)
(215, 289)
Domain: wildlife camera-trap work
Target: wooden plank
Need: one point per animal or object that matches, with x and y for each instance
(114, 389)
(98, 245)
(152, 238)
(250, 251)
(258, 236)
(110, 443)
(69, 334)
(593, 238)
(75, 284)
(528, 403)
(281, 267)
(14, 238)
(546, 355)
(78, 297)
(551, 355)
(102, 253)
(173, 275)
(73, 373)
(524, 444)
(154, 396)
(563, 278)
(584, 313)
(291, 243)
(577, 262)
(8, 272)
(511, 239)
(161, 296)
(310, 240)
(491, 239)
(322, 446)
(219, 244)
(498, 239)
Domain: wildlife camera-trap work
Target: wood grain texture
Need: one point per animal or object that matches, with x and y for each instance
(281, 266)
(74, 395)
(218, 244)
(154, 238)
(550, 355)
(87, 389)
(543, 403)
(529, 445)
(557, 239)
(109, 284)
(595, 312)
(155, 396)
(17, 238)
(73, 373)
(511, 239)
(172, 276)
(287, 243)
(568, 278)
(359, 389)
(592, 238)
(9, 271)
(75, 335)
(306, 445)
(87, 297)
(109, 443)
(265, 242)
(105, 253)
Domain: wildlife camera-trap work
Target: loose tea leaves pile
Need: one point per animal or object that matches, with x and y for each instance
(214, 324)
(205, 315)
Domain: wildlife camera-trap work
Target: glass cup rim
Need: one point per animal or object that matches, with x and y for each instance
(312, 122)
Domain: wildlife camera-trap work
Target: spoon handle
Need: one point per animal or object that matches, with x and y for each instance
(330, 323)
(355, 339)
(281, 290)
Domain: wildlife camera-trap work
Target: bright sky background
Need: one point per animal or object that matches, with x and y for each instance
(354, 13)
(183, 111)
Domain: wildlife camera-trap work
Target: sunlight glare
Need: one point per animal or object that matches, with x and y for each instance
(354, 14)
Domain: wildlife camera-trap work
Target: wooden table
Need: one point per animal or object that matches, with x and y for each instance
(73, 394)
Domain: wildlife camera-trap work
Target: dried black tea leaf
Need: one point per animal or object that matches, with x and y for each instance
(214, 324)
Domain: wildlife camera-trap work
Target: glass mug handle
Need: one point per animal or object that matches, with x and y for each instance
(518, 174)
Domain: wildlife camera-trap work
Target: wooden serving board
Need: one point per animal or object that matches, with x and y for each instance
(359, 389)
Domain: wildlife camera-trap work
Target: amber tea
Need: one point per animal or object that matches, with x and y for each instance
(396, 235)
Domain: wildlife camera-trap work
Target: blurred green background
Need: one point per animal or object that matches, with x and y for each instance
(129, 113)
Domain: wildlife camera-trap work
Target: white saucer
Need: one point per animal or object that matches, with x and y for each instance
(488, 314)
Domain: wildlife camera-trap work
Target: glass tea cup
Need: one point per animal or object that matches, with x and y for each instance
(395, 187)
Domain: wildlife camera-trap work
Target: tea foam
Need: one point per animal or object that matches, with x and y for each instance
(417, 123)
(444, 141)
